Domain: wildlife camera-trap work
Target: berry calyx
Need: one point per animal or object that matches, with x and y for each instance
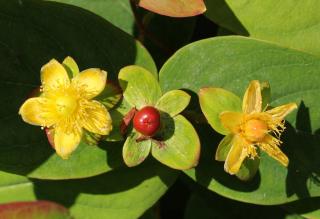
(147, 121)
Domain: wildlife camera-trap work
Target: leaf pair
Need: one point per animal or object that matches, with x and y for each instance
(178, 145)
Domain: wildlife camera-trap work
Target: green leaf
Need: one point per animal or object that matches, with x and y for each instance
(110, 96)
(266, 94)
(117, 115)
(293, 76)
(163, 35)
(224, 147)
(71, 66)
(248, 169)
(55, 30)
(122, 194)
(117, 12)
(140, 87)
(288, 23)
(214, 101)
(308, 208)
(134, 152)
(206, 205)
(34, 210)
(184, 8)
(179, 145)
(173, 102)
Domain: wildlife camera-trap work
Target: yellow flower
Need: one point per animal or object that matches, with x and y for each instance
(253, 128)
(67, 106)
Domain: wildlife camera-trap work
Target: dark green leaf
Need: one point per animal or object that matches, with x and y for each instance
(118, 12)
(32, 33)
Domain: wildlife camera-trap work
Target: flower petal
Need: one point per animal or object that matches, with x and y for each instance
(66, 142)
(91, 82)
(281, 111)
(270, 146)
(252, 100)
(231, 120)
(54, 76)
(97, 119)
(36, 111)
(236, 155)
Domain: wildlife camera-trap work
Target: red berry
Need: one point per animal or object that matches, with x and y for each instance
(147, 121)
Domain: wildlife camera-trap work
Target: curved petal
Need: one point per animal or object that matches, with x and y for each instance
(54, 76)
(252, 100)
(90, 82)
(281, 111)
(236, 155)
(97, 119)
(37, 111)
(231, 120)
(66, 142)
(270, 146)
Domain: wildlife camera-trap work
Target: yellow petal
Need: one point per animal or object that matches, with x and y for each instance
(252, 100)
(224, 147)
(231, 120)
(270, 146)
(91, 82)
(97, 119)
(37, 111)
(54, 76)
(66, 142)
(236, 155)
(281, 111)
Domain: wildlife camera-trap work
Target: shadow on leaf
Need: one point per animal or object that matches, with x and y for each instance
(303, 150)
(112, 182)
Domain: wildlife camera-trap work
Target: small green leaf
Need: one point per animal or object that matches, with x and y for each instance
(266, 94)
(214, 101)
(33, 210)
(110, 96)
(248, 169)
(179, 146)
(135, 152)
(224, 148)
(184, 8)
(117, 114)
(71, 66)
(140, 87)
(173, 102)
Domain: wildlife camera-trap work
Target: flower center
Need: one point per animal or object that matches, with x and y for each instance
(255, 130)
(66, 105)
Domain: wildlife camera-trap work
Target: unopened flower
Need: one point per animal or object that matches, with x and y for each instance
(253, 128)
(66, 106)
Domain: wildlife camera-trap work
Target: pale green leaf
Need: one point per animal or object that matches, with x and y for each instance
(140, 87)
(173, 102)
(214, 101)
(179, 145)
(135, 152)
